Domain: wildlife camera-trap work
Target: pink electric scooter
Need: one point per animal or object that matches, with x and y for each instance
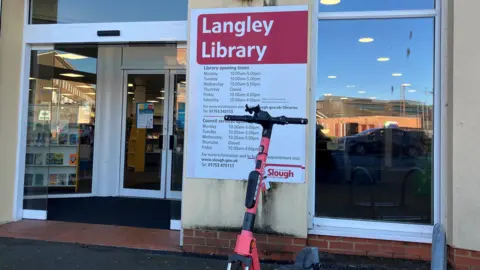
(246, 253)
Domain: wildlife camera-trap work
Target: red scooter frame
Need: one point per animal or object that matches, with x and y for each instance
(246, 253)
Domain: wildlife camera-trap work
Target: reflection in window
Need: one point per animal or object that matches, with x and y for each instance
(61, 118)
(375, 120)
(91, 11)
(374, 5)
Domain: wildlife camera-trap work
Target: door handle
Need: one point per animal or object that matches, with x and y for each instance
(172, 141)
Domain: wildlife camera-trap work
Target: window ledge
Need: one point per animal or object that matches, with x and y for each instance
(373, 230)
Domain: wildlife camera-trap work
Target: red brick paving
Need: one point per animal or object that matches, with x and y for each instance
(93, 234)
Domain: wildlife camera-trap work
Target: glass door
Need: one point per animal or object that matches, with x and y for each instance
(176, 131)
(145, 128)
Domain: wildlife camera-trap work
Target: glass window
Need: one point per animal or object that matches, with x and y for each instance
(92, 11)
(374, 5)
(375, 120)
(61, 122)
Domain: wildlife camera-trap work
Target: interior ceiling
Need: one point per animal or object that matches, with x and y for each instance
(81, 49)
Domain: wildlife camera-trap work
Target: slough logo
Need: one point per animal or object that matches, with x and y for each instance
(280, 173)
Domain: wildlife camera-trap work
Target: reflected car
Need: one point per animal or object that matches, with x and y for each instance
(379, 141)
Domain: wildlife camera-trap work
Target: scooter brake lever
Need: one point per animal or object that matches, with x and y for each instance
(253, 110)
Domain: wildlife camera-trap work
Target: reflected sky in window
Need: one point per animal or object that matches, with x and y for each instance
(374, 58)
(374, 5)
(92, 11)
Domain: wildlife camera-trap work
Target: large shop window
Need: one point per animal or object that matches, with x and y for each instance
(374, 143)
(374, 5)
(93, 11)
(61, 121)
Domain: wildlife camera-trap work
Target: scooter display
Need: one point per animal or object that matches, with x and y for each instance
(245, 255)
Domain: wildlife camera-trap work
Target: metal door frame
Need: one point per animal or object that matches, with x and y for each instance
(142, 193)
(170, 194)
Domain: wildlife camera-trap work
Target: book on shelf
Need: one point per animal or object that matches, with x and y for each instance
(53, 180)
(63, 139)
(72, 179)
(62, 179)
(73, 160)
(29, 159)
(58, 179)
(55, 159)
(73, 139)
(34, 159)
(38, 179)
(29, 178)
(38, 159)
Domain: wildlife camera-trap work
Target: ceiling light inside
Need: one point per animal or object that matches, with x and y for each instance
(91, 93)
(332, 77)
(49, 88)
(152, 101)
(383, 59)
(131, 93)
(72, 56)
(130, 85)
(366, 40)
(32, 78)
(72, 75)
(160, 98)
(396, 74)
(329, 2)
(67, 95)
(86, 86)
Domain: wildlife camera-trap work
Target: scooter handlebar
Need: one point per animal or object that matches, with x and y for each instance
(297, 121)
(239, 118)
(282, 120)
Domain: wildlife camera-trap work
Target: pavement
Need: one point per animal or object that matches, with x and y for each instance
(30, 254)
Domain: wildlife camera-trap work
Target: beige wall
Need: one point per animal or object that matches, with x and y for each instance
(465, 197)
(218, 204)
(10, 62)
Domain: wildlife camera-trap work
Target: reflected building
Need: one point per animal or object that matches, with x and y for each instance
(342, 116)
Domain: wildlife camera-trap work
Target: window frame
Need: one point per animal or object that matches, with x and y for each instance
(379, 229)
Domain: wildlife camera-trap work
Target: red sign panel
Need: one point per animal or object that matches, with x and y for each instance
(253, 38)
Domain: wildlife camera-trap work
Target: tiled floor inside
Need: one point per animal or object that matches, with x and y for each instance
(93, 234)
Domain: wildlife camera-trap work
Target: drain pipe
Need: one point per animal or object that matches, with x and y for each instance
(439, 248)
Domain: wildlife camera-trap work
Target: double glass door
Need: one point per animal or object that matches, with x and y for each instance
(154, 124)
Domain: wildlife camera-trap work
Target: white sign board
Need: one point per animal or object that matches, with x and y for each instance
(254, 56)
(145, 113)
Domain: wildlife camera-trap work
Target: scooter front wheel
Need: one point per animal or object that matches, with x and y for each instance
(237, 266)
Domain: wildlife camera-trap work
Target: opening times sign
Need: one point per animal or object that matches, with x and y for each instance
(254, 56)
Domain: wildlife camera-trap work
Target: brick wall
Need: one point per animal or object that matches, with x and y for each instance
(285, 248)
(463, 259)
(270, 247)
(371, 248)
